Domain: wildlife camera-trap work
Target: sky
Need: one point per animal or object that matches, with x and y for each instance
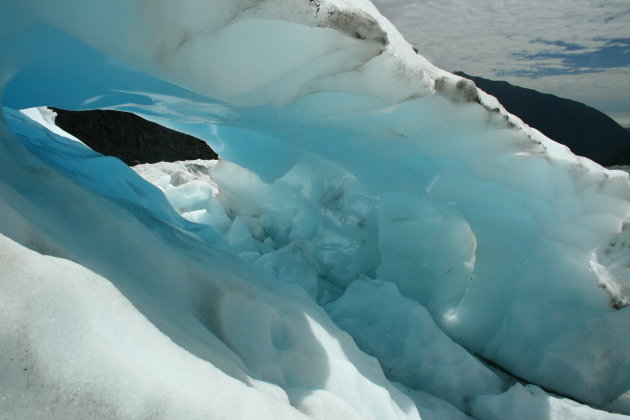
(576, 49)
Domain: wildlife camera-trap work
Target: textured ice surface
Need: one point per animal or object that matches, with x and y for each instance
(407, 343)
(432, 408)
(345, 155)
(222, 312)
(531, 402)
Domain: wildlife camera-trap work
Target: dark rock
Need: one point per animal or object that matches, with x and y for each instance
(621, 158)
(130, 138)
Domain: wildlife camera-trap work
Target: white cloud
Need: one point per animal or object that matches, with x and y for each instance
(490, 38)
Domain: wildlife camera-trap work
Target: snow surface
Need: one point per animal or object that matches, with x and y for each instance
(379, 240)
(46, 117)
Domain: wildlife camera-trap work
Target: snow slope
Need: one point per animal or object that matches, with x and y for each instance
(459, 250)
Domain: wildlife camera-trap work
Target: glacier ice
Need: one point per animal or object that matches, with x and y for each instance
(531, 402)
(379, 240)
(410, 348)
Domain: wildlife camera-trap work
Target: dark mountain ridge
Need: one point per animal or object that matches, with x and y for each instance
(130, 138)
(585, 130)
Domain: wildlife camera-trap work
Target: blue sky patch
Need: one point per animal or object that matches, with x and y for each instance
(614, 53)
(566, 45)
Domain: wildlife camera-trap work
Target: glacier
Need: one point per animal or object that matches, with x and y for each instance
(379, 240)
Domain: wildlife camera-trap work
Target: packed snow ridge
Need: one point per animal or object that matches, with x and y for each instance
(379, 240)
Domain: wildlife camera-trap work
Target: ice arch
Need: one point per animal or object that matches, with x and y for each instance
(500, 233)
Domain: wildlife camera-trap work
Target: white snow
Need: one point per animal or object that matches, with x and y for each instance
(46, 118)
(379, 240)
(75, 347)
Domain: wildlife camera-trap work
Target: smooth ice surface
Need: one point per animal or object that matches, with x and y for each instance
(345, 156)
